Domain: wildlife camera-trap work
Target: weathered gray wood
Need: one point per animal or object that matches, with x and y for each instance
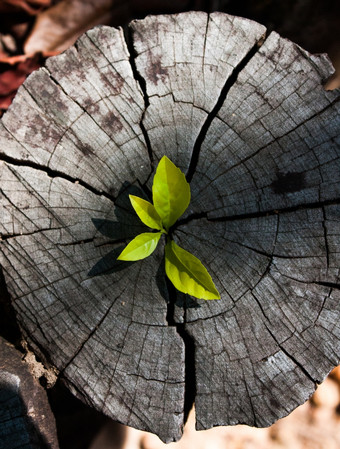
(26, 420)
(251, 124)
(97, 327)
(139, 358)
(185, 64)
(282, 133)
(90, 132)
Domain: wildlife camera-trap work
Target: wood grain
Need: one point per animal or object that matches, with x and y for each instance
(247, 119)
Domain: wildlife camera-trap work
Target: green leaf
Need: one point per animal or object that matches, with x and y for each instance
(170, 192)
(141, 246)
(146, 212)
(187, 273)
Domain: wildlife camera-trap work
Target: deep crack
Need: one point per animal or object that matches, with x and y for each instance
(25, 234)
(331, 285)
(54, 174)
(213, 113)
(325, 235)
(189, 349)
(190, 369)
(265, 213)
(128, 34)
(189, 346)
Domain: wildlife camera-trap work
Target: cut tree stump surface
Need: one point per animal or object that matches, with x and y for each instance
(246, 117)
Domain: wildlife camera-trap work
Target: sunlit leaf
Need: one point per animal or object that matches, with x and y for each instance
(146, 212)
(170, 192)
(141, 246)
(187, 273)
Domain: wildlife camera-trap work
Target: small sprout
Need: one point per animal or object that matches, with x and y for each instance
(141, 246)
(187, 273)
(171, 197)
(146, 212)
(170, 192)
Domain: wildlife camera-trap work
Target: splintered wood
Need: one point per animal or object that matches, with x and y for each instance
(246, 117)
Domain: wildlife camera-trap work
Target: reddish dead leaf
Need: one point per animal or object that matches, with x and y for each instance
(12, 60)
(11, 79)
(3, 55)
(6, 101)
(31, 7)
(58, 27)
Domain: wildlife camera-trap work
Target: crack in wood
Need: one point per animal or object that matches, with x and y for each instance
(325, 235)
(259, 303)
(259, 214)
(54, 174)
(80, 242)
(186, 220)
(277, 138)
(173, 98)
(82, 108)
(268, 212)
(323, 304)
(189, 350)
(128, 35)
(263, 253)
(4, 237)
(213, 113)
(331, 285)
(42, 202)
(173, 382)
(291, 357)
(93, 331)
(189, 345)
(190, 369)
(250, 398)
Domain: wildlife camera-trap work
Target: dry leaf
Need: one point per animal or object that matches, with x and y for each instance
(58, 27)
(11, 79)
(31, 7)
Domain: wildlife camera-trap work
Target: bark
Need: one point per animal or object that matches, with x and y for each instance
(26, 420)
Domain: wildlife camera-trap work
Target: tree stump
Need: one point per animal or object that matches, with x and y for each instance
(245, 116)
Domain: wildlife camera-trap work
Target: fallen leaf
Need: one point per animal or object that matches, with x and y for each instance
(12, 60)
(11, 79)
(31, 7)
(6, 101)
(59, 26)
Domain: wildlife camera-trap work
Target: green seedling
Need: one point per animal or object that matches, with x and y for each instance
(171, 197)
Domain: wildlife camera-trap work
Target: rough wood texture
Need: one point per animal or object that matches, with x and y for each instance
(246, 117)
(26, 420)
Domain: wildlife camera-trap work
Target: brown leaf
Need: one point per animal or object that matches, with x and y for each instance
(12, 60)
(31, 7)
(11, 79)
(58, 27)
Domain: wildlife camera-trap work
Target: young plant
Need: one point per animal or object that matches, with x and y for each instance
(171, 197)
